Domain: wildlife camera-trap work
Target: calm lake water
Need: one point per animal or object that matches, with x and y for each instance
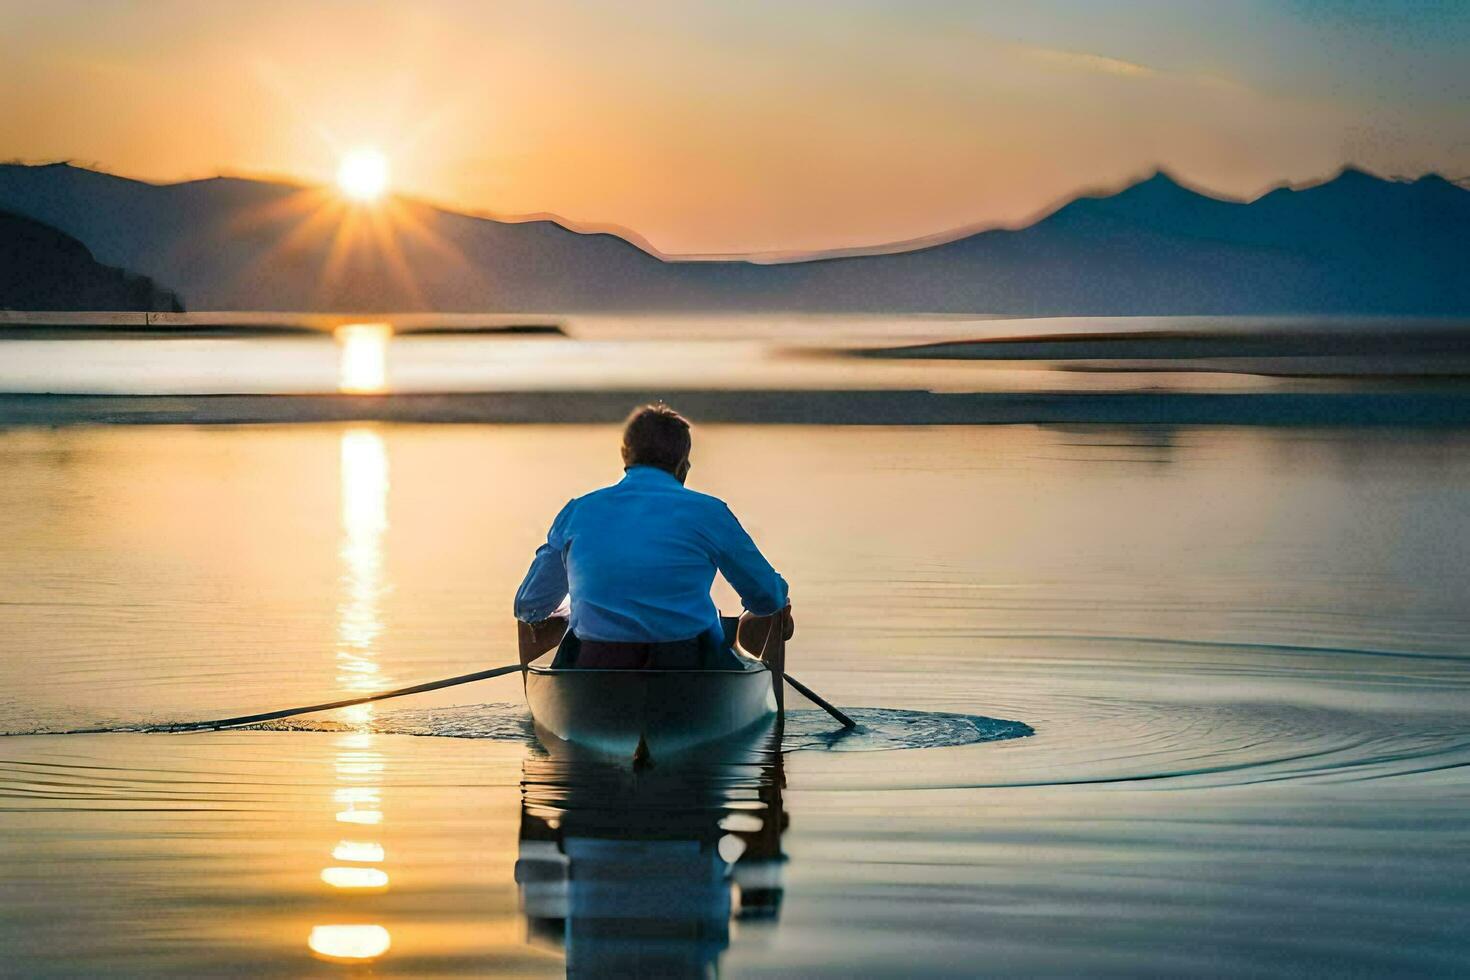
(1242, 651)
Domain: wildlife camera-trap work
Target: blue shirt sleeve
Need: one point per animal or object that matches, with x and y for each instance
(761, 589)
(545, 584)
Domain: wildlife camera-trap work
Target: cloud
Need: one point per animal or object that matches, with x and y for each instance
(1084, 61)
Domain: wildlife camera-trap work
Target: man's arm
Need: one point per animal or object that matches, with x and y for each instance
(761, 589)
(545, 584)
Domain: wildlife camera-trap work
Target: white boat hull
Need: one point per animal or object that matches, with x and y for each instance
(667, 712)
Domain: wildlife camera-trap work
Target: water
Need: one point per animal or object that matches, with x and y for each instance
(877, 729)
(1241, 651)
(452, 354)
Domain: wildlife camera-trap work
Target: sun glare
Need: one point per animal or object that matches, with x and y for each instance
(363, 175)
(362, 368)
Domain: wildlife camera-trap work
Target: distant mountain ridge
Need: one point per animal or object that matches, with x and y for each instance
(42, 268)
(1354, 244)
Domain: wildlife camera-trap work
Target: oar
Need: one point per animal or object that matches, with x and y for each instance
(819, 701)
(773, 655)
(217, 724)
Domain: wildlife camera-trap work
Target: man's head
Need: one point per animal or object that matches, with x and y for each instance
(656, 435)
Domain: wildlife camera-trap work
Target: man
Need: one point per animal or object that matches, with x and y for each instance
(639, 557)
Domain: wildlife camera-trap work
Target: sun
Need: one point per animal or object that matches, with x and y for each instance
(363, 174)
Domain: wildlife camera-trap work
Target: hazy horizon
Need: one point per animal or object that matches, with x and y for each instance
(635, 236)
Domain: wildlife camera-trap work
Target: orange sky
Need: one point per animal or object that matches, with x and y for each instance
(736, 127)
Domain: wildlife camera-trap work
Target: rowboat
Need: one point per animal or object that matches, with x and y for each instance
(640, 715)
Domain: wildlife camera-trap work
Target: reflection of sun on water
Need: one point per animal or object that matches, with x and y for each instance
(349, 942)
(363, 365)
(364, 519)
(358, 714)
(357, 798)
(356, 850)
(355, 877)
(366, 818)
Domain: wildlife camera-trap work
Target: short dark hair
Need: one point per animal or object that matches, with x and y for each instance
(656, 435)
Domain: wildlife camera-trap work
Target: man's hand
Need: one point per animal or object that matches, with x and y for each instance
(752, 632)
(537, 638)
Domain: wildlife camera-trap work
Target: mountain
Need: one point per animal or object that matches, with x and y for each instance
(1354, 244)
(44, 269)
(233, 244)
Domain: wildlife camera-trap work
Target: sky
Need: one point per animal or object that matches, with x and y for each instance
(744, 126)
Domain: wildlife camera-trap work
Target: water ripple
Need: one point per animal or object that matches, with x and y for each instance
(1071, 740)
(879, 729)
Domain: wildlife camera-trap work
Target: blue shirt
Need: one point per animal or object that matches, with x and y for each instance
(639, 558)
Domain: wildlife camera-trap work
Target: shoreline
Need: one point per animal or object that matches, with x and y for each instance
(1438, 408)
(88, 324)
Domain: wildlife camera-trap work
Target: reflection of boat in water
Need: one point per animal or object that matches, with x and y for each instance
(654, 713)
(640, 872)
